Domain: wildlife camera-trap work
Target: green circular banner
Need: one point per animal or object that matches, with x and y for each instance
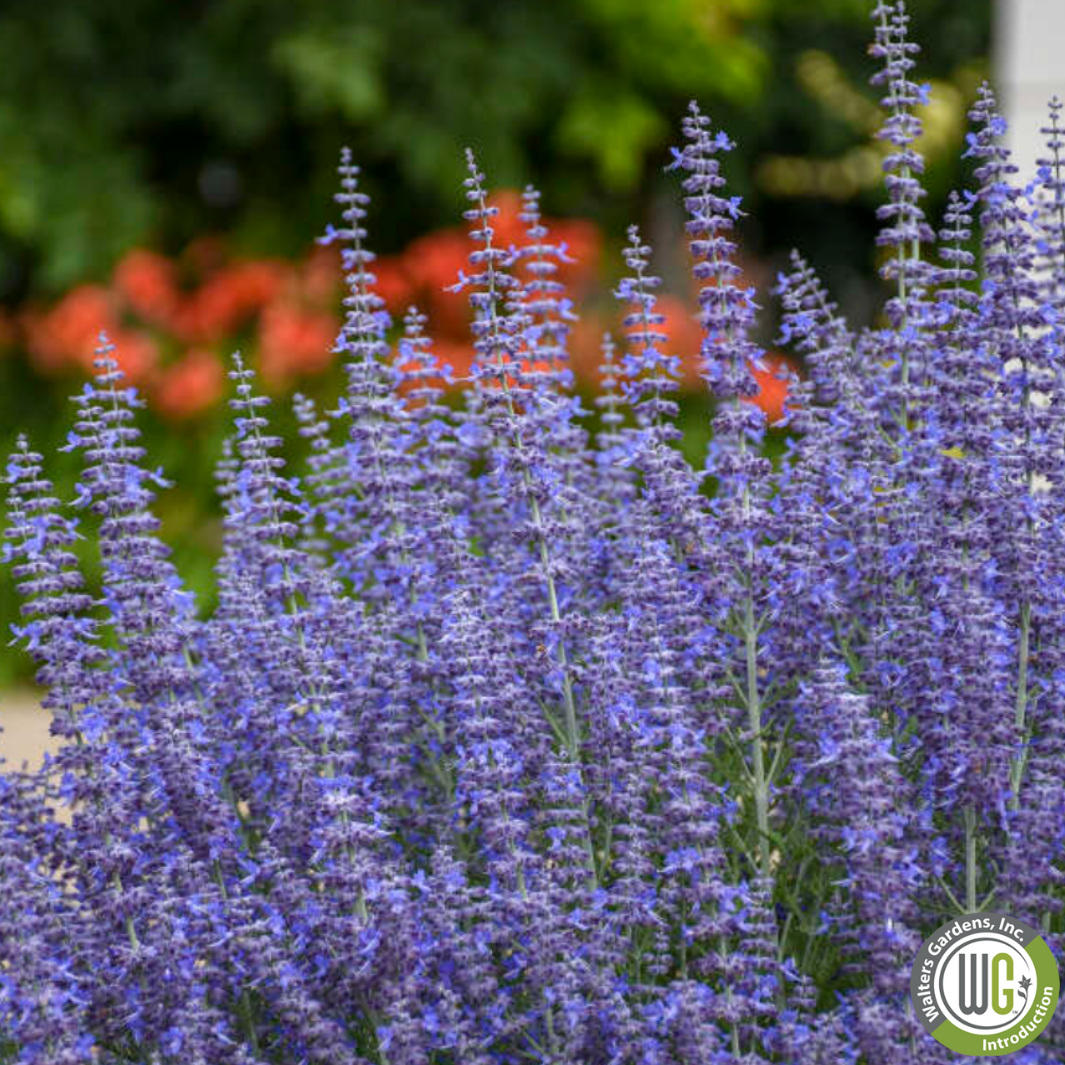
(985, 984)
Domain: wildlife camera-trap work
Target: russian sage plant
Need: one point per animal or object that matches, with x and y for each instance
(507, 742)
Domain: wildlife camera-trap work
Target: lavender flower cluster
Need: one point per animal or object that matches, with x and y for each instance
(510, 744)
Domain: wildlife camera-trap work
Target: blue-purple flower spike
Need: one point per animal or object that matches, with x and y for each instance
(515, 738)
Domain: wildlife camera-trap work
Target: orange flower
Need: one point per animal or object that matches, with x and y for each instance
(319, 275)
(457, 354)
(189, 386)
(432, 263)
(294, 340)
(772, 389)
(148, 283)
(580, 238)
(509, 228)
(393, 285)
(583, 244)
(227, 299)
(684, 340)
(136, 352)
(685, 337)
(585, 346)
(66, 334)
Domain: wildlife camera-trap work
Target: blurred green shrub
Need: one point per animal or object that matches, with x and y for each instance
(131, 121)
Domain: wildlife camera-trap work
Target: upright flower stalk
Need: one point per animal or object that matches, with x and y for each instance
(510, 405)
(727, 312)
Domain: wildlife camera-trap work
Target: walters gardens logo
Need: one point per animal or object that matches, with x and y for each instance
(985, 984)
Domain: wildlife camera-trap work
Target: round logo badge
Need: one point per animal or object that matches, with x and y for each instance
(985, 984)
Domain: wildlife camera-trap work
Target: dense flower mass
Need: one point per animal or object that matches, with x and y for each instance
(516, 739)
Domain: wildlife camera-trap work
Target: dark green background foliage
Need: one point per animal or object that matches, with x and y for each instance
(132, 121)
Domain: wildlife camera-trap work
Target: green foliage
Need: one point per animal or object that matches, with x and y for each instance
(334, 73)
(113, 111)
(633, 125)
(109, 109)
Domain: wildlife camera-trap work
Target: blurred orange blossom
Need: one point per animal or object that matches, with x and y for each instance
(174, 320)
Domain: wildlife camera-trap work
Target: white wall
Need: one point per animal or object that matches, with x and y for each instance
(1029, 69)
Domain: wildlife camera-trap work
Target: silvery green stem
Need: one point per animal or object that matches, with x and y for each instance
(1021, 705)
(734, 1034)
(970, 860)
(754, 702)
(1023, 649)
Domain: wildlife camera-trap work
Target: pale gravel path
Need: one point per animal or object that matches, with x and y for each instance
(25, 728)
